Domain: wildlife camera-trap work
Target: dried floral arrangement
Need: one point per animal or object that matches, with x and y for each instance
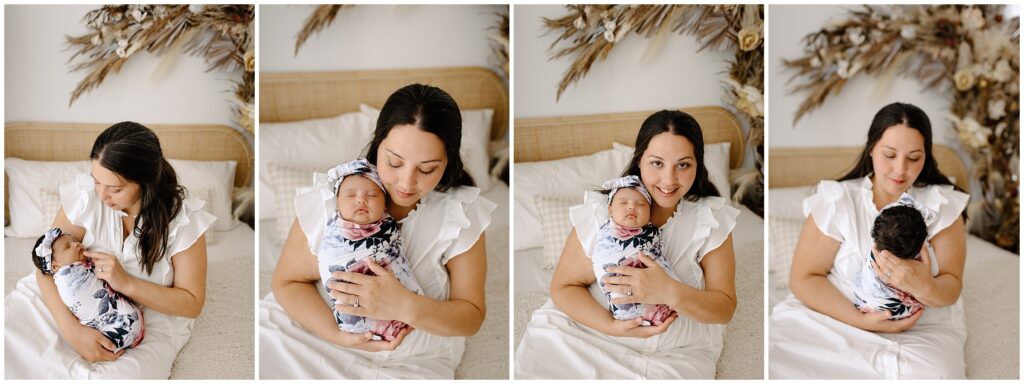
(222, 34)
(592, 31)
(321, 17)
(971, 52)
(499, 44)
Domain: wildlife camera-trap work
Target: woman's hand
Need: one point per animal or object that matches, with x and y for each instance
(108, 269)
(879, 322)
(649, 285)
(380, 297)
(364, 341)
(907, 275)
(92, 345)
(633, 327)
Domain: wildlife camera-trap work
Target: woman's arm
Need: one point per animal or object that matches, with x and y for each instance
(573, 275)
(294, 286)
(88, 342)
(185, 297)
(950, 247)
(812, 262)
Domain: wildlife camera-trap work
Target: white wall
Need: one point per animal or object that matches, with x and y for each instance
(38, 85)
(676, 77)
(367, 37)
(845, 118)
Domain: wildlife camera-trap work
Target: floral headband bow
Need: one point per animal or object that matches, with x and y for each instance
(45, 248)
(359, 167)
(908, 201)
(630, 181)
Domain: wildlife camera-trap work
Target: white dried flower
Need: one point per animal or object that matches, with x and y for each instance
(608, 35)
(579, 23)
(609, 25)
(1002, 72)
(196, 8)
(908, 32)
(963, 79)
(815, 62)
(138, 14)
(996, 109)
(843, 69)
(972, 18)
(96, 39)
(749, 38)
(855, 36)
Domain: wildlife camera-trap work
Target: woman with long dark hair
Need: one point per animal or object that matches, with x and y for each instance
(145, 238)
(574, 336)
(415, 148)
(817, 332)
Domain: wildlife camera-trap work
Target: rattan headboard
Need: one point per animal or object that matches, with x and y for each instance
(311, 95)
(793, 167)
(552, 138)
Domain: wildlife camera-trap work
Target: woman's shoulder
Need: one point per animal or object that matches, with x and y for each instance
(79, 200)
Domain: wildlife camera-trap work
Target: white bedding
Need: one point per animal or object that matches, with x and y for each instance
(222, 345)
(486, 355)
(742, 353)
(991, 302)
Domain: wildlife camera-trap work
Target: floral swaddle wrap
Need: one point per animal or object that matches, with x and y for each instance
(92, 300)
(349, 246)
(618, 245)
(872, 294)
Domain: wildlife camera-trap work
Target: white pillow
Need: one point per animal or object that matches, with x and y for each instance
(716, 160)
(783, 233)
(287, 179)
(555, 222)
(26, 181)
(476, 135)
(569, 177)
(788, 203)
(216, 176)
(317, 143)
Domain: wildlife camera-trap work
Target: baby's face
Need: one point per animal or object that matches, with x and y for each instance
(67, 251)
(629, 208)
(360, 200)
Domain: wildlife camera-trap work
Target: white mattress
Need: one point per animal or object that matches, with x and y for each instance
(486, 355)
(222, 345)
(743, 351)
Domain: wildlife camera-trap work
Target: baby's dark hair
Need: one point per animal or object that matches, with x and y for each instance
(900, 230)
(38, 260)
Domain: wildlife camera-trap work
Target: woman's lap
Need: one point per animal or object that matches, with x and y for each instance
(33, 347)
(804, 343)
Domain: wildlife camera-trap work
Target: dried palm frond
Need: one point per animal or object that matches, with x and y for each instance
(316, 22)
(499, 43)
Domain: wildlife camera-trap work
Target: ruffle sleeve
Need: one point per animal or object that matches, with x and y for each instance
(717, 221)
(466, 216)
(947, 202)
(824, 207)
(588, 217)
(80, 203)
(312, 205)
(190, 223)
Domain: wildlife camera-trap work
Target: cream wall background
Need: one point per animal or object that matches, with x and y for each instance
(38, 85)
(845, 118)
(367, 37)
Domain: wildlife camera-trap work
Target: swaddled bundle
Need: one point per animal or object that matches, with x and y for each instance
(361, 232)
(90, 299)
(901, 229)
(628, 232)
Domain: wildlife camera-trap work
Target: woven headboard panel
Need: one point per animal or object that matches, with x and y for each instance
(312, 95)
(793, 167)
(551, 138)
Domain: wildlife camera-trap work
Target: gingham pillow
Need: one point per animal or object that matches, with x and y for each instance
(49, 204)
(555, 224)
(783, 234)
(286, 180)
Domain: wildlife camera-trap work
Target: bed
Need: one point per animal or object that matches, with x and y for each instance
(557, 158)
(299, 109)
(991, 274)
(222, 344)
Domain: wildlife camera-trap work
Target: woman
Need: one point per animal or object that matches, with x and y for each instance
(145, 239)
(574, 336)
(442, 217)
(816, 331)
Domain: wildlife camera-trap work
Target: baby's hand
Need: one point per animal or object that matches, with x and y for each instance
(879, 322)
(635, 328)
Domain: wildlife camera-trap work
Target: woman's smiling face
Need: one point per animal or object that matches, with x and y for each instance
(410, 163)
(897, 159)
(668, 168)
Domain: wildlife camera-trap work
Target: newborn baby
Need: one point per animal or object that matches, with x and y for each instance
(900, 229)
(627, 232)
(361, 232)
(90, 299)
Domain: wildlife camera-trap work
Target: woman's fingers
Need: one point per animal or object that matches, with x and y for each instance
(352, 310)
(377, 269)
(343, 287)
(357, 278)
